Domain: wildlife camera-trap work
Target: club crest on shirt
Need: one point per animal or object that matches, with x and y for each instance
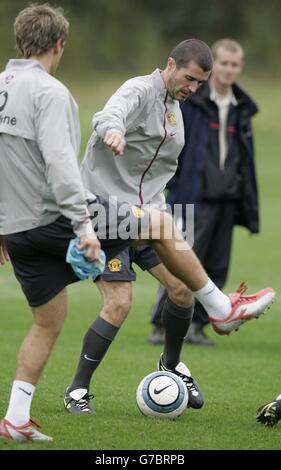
(114, 265)
(138, 212)
(171, 116)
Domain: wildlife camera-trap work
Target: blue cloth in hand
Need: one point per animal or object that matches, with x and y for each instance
(83, 267)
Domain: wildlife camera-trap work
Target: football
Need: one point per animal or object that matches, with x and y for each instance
(162, 395)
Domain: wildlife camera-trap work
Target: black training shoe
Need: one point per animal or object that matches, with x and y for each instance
(195, 396)
(157, 335)
(77, 402)
(270, 413)
(197, 335)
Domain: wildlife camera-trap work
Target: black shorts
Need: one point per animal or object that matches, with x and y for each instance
(38, 255)
(120, 267)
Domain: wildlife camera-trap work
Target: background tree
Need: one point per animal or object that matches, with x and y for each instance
(133, 36)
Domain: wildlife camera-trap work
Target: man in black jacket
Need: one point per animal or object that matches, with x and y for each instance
(216, 173)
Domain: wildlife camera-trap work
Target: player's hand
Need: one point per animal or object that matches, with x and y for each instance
(115, 142)
(91, 244)
(270, 413)
(3, 252)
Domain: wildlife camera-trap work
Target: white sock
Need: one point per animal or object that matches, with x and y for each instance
(214, 301)
(20, 402)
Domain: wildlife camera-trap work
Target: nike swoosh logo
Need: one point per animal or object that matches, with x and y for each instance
(22, 389)
(90, 359)
(161, 389)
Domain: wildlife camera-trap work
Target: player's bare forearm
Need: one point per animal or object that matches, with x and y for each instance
(3, 252)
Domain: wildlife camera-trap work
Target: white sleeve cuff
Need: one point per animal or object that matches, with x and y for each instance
(85, 228)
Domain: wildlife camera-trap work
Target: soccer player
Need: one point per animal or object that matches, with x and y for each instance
(43, 201)
(216, 172)
(132, 154)
(270, 413)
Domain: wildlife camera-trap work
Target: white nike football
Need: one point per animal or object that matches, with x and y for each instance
(162, 395)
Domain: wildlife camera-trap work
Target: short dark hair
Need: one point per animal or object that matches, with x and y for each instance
(38, 27)
(193, 50)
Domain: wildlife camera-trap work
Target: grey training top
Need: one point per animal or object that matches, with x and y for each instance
(144, 113)
(39, 151)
